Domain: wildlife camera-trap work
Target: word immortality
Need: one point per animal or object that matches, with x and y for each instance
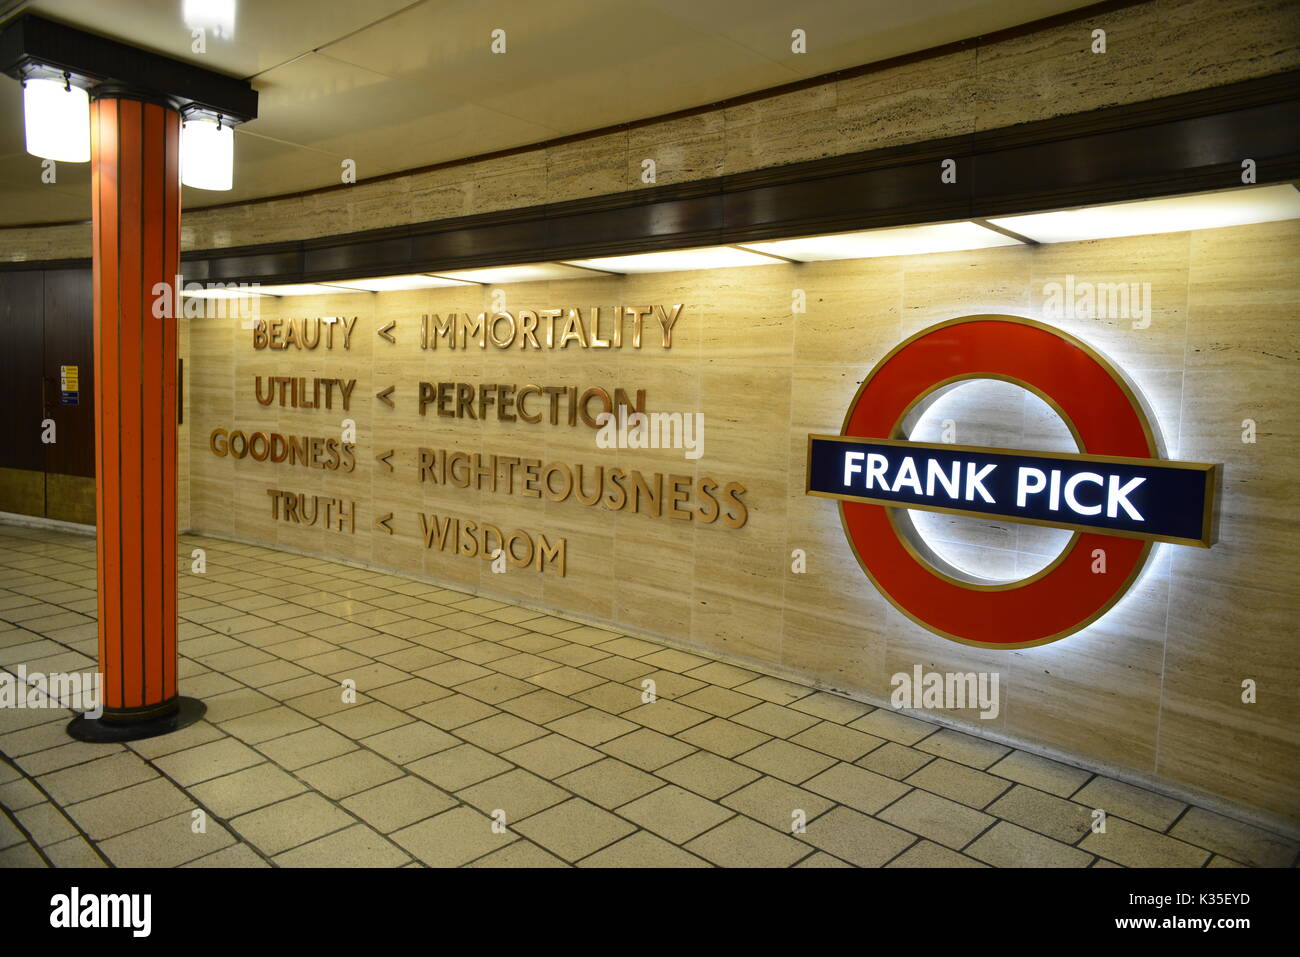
(548, 328)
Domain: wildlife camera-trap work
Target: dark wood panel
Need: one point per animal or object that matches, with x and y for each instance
(69, 340)
(22, 305)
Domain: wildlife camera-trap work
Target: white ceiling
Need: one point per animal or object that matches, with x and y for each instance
(397, 84)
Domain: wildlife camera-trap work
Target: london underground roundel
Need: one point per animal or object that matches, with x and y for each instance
(1118, 494)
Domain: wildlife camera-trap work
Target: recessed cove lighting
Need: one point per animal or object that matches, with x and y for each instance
(226, 293)
(1234, 207)
(711, 257)
(303, 289)
(897, 241)
(396, 283)
(532, 272)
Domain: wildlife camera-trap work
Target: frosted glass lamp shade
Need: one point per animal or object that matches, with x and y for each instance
(207, 154)
(57, 119)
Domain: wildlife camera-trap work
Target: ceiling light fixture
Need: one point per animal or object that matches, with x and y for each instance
(207, 153)
(56, 115)
(532, 272)
(708, 257)
(1174, 214)
(896, 241)
(396, 283)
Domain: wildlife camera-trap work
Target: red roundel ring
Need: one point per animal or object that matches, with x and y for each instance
(1107, 419)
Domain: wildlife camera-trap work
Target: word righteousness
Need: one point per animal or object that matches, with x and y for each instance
(548, 328)
(703, 500)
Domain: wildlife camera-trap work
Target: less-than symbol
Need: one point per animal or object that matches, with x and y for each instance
(386, 458)
(384, 332)
(382, 522)
(384, 396)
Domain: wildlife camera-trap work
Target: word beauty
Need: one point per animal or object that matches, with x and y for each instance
(1118, 496)
(328, 332)
(1160, 500)
(548, 328)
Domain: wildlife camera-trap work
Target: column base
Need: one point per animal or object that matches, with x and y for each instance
(101, 731)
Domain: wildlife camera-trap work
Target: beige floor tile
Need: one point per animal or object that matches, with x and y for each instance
(837, 741)
(494, 688)
(610, 782)
(247, 790)
(624, 670)
(1135, 846)
(166, 843)
(958, 782)
(896, 727)
(290, 823)
(722, 702)
(1131, 803)
(929, 854)
(363, 720)
(452, 838)
(356, 846)
(947, 822)
(110, 815)
(410, 693)
(722, 674)
(786, 761)
(18, 794)
(398, 803)
(459, 767)
(522, 665)
(675, 813)
(774, 720)
(349, 773)
(643, 850)
(963, 748)
(326, 701)
(831, 707)
(566, 680)
(611, 697)
(236, 704)
(574, 829)
(208, 761)
(453, 711)
(552, 755)
(856, 787)
(894, 760)
(541, 706)
(647, 749)
(666, 716)
(520, 854)
(724, 738)
(306, 747)
(708, 775)
(95, 778)
(1041, 773)
(742, 842)
(20, 856)
(1241, 842)
(45, 823)
(1008, 845)
(265, 725)
(500, 732)
(518, 793)
(74, 852)
(776, 690)
(410, 742)
(822, 859)
(591, 726)
(856, 838)
(666, 684)
(1045, 813)
(777, 804)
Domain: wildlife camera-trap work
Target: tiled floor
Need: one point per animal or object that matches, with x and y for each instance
(471, 713)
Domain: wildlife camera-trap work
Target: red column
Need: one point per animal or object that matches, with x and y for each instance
(135, 177)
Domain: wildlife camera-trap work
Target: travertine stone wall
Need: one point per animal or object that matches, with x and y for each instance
(1153, 688)
(1153, 49)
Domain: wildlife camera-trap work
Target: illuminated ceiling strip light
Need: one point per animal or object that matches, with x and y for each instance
(302, 289)
(894, 241)
(1174, 214)
(396, 283)
(678, 260)
(530, 272)
(224, 293)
